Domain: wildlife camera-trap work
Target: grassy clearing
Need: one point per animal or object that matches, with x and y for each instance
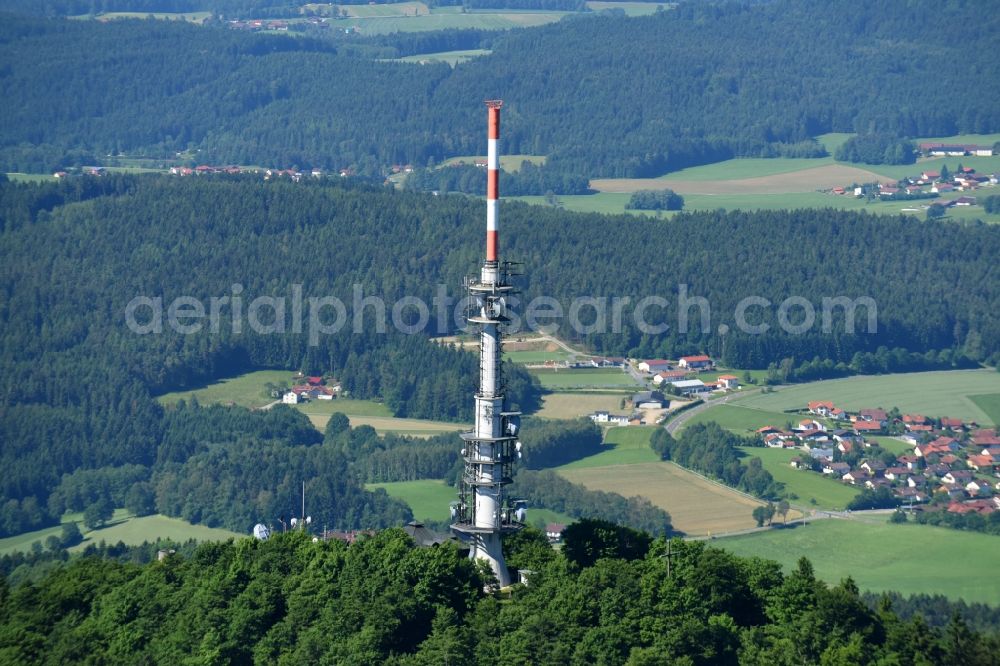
(507, 162)
(346, 406)
(383, 25)
(583, 378)
(696, 506)
(30, 177)
(897, 446)
(613, 203)
(944, 393)
(246, 390)
(536, 356)
(624, 445)
(910, 559)
(743, 420)
(573, 405)
(989, 403)
(451, 57)
(122, 527)
(135, 531)
(979, 139)
(191, 17)
(827, 493)
(980, 164)
(376, 415)
(392, 9)
(390, 424)
(630, 8)
(428, 498)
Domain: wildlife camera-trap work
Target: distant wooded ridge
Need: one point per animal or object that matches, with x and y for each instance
(599, 95)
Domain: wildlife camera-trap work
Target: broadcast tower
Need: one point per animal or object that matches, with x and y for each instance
(483, 513)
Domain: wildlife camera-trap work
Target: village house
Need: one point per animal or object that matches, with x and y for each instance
(809, 425)
(670, 376)
(554, 531)
(700, 362)
(655, 365)
(856, 477)
(820, 407)
(837, 468)
(606, 417)
(867, 427)
(728, 382)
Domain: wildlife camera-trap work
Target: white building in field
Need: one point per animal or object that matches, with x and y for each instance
(290, 398)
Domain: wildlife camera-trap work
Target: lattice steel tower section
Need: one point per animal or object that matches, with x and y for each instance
(483, 513)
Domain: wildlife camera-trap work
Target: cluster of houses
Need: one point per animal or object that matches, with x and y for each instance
(950, 457)
(680, 375)
(954, 150)
(925, 186)
(314, 388)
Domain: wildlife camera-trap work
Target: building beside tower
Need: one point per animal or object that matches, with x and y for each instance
(483, 512)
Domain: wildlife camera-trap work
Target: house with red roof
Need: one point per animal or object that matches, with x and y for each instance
(869, 427)
(700, 362)
(820, 407)
(728, 382)
(655, 365)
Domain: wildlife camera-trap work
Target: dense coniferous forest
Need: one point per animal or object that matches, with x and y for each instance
(528, 180)
(790, 70)
(610, 597)
(77, 382)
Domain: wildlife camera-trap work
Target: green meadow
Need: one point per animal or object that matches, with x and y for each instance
(451, 57)
(536, 356)
(943, 393)
(122, 527)
(743, 420)
(808, 486)
(493, 20)
(910, 559)
(624, 445)
(583, 378)
(245, 390)
(429, 499)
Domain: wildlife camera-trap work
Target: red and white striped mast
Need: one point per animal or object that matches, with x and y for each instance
(483, 513)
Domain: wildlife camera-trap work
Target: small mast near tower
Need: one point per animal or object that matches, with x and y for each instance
(483, 513)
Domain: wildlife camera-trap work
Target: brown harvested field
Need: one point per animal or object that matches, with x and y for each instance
(805, 180)
(696, 506)
(572, 405)
(385, 424)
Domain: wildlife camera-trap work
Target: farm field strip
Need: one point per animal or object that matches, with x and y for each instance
(573, 405)
(696, 506)
(743, 420)
(429, 500)
(394, 425)
(910, 559)
(940, 393)
(246, 390)
(811, 488)
(122, 527)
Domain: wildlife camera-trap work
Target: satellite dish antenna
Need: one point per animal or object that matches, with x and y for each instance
(261, 532)
(309, 520)
(295, 521)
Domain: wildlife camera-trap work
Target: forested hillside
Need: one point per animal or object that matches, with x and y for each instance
(77, 382)
(599, 95)
(610, 597)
